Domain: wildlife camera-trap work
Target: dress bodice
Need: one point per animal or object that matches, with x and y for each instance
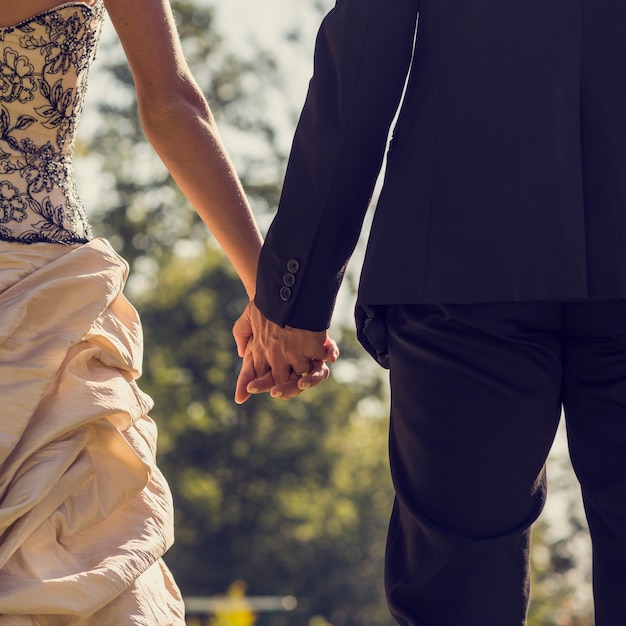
(44, 63)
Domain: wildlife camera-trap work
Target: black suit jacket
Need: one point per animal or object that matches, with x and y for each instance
(506, 172)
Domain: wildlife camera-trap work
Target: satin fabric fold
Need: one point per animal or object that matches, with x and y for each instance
(85, 514)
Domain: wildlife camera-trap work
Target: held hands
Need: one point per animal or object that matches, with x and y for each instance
(281, 361)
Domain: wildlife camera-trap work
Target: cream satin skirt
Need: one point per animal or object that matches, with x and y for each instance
(85, 515)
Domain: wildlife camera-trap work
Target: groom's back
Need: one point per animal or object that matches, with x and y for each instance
(506, 174)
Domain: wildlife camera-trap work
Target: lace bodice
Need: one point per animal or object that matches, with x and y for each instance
(44, 63)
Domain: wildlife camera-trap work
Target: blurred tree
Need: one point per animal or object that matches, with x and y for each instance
(292, 497)
(139, 208)
(557, 598)
(561, 573)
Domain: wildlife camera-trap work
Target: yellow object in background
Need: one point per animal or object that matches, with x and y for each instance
(235, 610)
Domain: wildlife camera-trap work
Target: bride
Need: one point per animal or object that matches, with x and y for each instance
(85, 514)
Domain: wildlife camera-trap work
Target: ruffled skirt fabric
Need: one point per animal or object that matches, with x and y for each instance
(85, 515)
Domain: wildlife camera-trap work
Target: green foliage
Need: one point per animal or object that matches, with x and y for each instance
(292, 497)
(556, 598)
(561, 569)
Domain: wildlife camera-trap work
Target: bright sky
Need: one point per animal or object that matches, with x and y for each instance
(268, 22)
(244, 23)
(266, 19)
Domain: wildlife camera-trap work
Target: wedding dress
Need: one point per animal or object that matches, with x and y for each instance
(85, 514)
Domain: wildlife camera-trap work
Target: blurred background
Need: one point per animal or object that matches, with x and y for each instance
(281, 508)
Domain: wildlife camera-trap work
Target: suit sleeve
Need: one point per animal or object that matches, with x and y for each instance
(362, 57)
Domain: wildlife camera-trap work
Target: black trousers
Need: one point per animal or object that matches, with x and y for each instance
(476, 396)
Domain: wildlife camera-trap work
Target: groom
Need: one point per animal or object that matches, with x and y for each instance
(494, 283)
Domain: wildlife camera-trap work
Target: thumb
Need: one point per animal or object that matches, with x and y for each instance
(332, 350)
(242, 331)
(246, 375)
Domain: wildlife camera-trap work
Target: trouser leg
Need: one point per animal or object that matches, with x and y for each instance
(594, 397)
(475, 406)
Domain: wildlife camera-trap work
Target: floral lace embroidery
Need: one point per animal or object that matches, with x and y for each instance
(44, 63)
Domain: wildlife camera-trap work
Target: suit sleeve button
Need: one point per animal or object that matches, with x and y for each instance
(293, 266)
(285, 294)
(289, 280)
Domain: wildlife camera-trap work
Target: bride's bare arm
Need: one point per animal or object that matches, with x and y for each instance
(179, 124)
